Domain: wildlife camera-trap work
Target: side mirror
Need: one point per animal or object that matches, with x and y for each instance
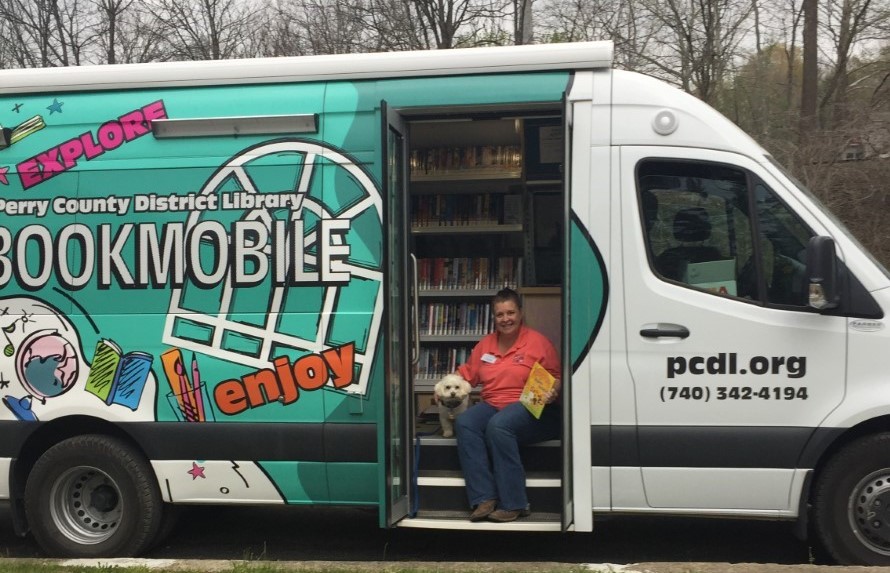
(822, 273)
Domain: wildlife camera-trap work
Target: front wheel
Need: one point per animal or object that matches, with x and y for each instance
(93, 496)
(852, 502)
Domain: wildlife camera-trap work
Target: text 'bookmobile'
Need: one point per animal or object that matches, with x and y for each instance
(237, 282)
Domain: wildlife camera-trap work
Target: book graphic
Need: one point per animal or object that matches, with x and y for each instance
(537, 385)
(118, 378)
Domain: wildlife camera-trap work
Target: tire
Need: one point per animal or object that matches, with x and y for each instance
(169, 520)
(851, 503)
(93, 496)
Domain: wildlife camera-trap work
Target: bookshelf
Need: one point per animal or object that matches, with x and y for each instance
(468, 228)
(473, 233)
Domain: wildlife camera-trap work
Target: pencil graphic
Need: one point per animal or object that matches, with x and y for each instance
(186, 392)
(198, 389)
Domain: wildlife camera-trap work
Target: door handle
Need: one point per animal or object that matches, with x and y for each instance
(665, 332)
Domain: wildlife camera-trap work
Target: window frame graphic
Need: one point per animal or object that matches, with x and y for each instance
(268, 333)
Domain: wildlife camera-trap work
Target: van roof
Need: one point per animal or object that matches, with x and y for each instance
(501, 59)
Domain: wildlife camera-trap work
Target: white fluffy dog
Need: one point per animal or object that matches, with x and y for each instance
(453, 397)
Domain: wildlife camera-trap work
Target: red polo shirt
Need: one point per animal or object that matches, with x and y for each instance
(503, 377)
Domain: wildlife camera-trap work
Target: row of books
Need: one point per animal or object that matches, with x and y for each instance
(451, 210)
(437, 361)
(455, 318)
(443, 273)
(433, 160)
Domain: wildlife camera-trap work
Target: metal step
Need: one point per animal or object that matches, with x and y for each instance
(443, 491)
(450, 478)
(438, 453)
(537, 521)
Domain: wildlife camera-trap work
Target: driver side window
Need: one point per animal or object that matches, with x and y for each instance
(717, 228)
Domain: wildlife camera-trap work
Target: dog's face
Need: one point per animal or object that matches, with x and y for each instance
(452, 390)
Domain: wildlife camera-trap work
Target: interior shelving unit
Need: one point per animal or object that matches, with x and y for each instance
(473, 227)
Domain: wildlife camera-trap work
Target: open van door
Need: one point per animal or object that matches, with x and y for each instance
(568, 504)
(401, 338)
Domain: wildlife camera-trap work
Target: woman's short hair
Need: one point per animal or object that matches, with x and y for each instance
(505, 295)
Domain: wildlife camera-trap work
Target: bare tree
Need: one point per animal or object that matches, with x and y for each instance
(445, 21)
(319, 27)
(206, 29)
(71, 20)
(395, 25)
(699, 41)
(33, 31)
(589, 20)
(578, 20)
(282, 35)
(848, 24)
(140, 36)
(523, 31)
(109, 14)
(810, 77)
(6, 59)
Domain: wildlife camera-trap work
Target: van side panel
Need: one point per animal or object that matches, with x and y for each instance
(219, 298)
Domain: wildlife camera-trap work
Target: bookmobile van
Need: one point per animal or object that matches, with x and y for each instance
(236, 282)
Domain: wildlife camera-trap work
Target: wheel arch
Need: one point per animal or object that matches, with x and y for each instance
(43, 438)
(822, 447)
(825, 444)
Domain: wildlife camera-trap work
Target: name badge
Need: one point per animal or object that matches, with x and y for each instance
(490, 358)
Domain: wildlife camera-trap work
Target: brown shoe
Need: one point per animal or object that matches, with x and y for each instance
(504, 515)
(483, 510)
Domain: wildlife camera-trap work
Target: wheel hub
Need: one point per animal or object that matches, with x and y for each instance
(870, 510)
(86, 505)
(104, 499)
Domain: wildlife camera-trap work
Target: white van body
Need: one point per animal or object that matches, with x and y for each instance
(718, 361)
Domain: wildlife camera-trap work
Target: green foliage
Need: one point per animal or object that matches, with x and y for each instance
(484, 37)
(555, 37)
(763, 96)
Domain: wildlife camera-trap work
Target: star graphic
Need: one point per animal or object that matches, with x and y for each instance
(3, 179)
(4, 383)
(196, 472)
(56, 106)
(17, 107)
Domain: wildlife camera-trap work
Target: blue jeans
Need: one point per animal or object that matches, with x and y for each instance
(488, 443)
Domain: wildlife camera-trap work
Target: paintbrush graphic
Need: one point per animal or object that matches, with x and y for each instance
(9, 136)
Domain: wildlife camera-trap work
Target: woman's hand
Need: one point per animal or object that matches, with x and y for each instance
(553, 393)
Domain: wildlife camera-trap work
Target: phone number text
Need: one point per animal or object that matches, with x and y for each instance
(706, 393)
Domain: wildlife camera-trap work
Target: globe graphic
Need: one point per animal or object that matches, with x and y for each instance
(47, 364)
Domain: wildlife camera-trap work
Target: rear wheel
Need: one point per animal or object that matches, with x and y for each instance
(852, 503)
(93, 496)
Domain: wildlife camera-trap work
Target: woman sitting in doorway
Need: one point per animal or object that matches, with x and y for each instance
(490, 433)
